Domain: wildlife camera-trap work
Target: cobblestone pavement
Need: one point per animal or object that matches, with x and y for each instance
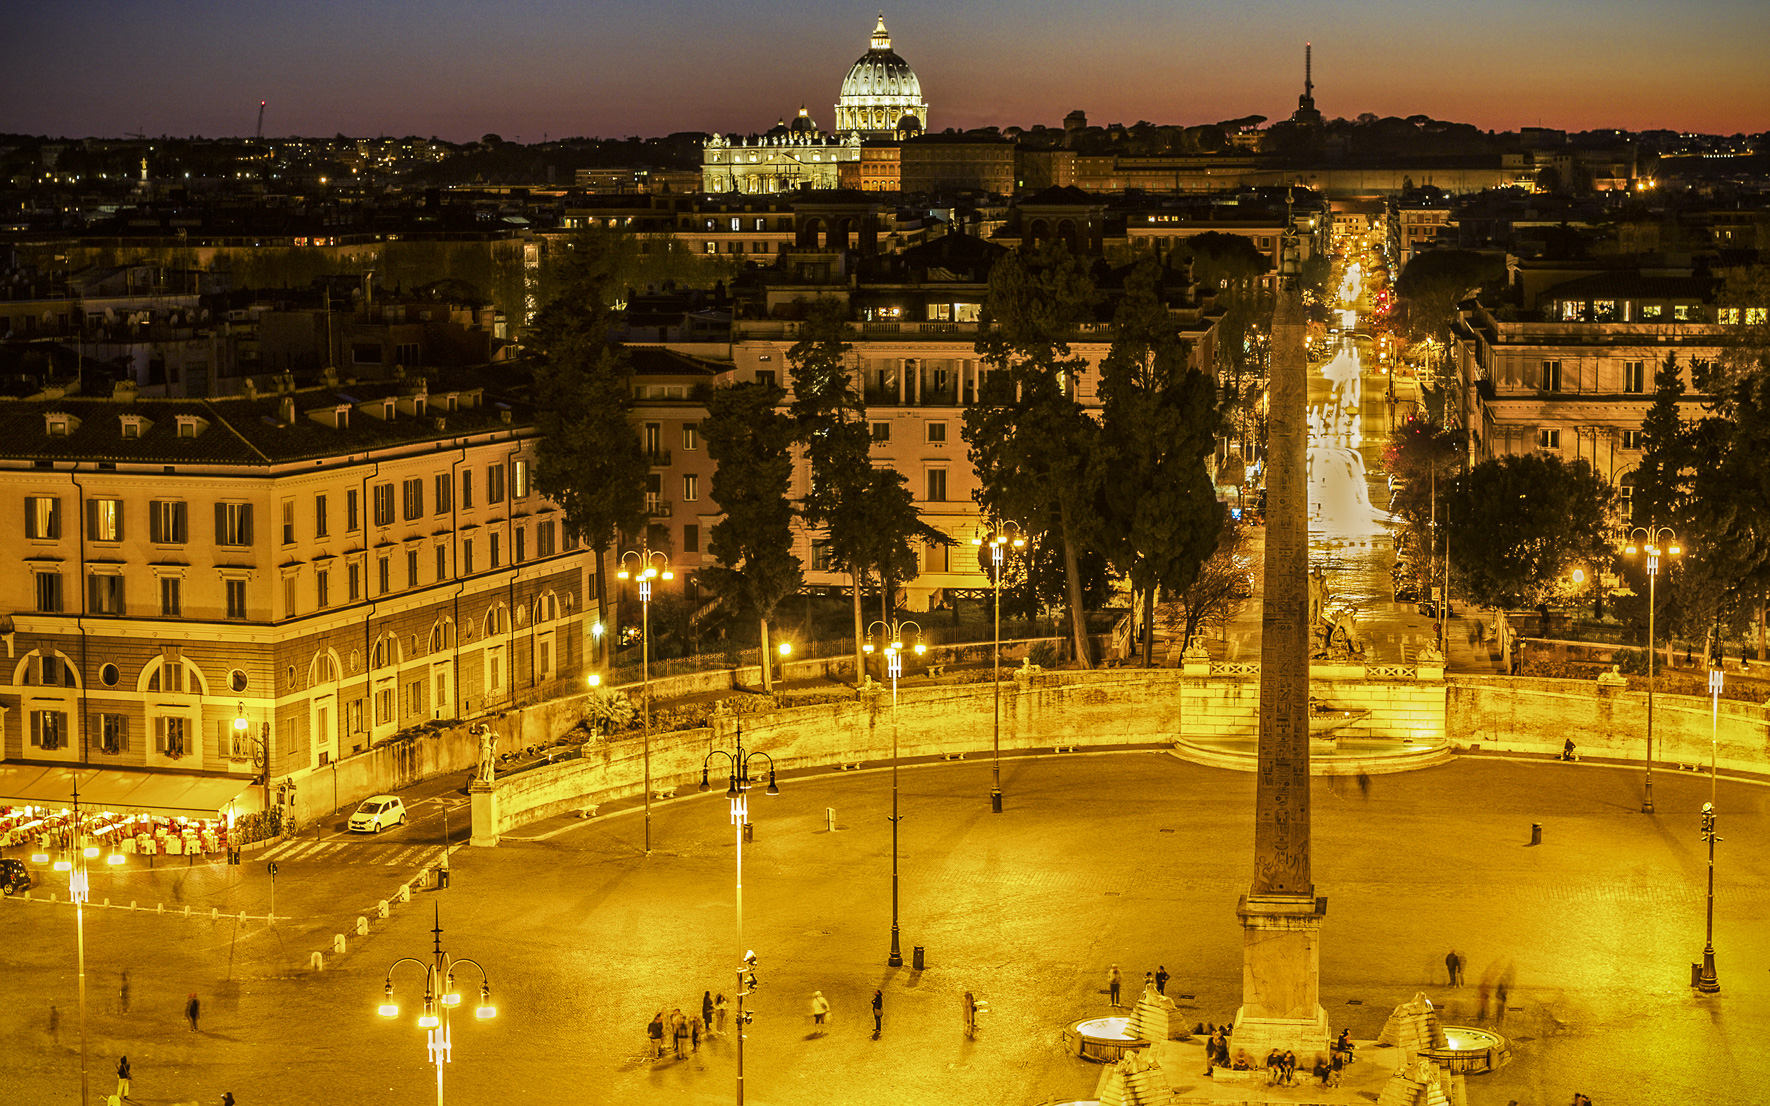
(1133, 858)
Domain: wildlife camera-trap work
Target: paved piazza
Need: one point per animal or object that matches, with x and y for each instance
(1135, 858)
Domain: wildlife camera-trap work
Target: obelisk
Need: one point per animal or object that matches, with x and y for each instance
(1280, 915)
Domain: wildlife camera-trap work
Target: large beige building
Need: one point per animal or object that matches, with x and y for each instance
(1569, 372)
(336, 565)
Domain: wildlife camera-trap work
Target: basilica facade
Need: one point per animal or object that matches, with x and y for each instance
(881, 99)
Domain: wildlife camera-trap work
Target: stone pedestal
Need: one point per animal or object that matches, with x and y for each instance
(1281, 972)
(484, 799)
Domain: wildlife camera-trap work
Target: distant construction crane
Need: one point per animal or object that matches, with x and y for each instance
(260, 135)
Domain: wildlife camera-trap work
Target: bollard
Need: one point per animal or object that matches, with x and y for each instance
(916, 959)
(381, 909)
(404, 894)
(442, 876)
(1536, 833)
(338, 943)
(107, 902)
(242, 917)
(187, 909)
(215, 913)
(830, 818)
(317, 962)
(132, 904)
(362, 926)
(159, 908)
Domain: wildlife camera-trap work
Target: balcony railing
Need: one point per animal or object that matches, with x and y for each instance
(657, 458)
(657, 508)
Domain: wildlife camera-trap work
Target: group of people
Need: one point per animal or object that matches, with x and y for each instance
(681, 1033)
(1155, 982)
(1281, 1065)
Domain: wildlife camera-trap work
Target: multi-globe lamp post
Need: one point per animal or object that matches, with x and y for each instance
(648, 565)
(75, 853)
(892, 635)
(998, 541)
(1654, 542)
(738, 795)
(440, 998)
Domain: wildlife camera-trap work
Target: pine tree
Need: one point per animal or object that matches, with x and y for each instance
(1661, 477)
(751, 441)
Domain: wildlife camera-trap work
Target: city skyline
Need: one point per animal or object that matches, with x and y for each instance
(461, 68)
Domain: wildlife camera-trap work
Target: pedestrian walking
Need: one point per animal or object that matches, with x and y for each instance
(655, 1031)
(123, 995)
(968, 1008)
(1148, 983)
(54, 1024)
(678, 1030)
(1161, 979)
(192, 1010)
(1364, 785)
(878, 1013)
(719, 1013)
(820, 1008)
(707, 1009)
(123, 1077)
(694, 1034)
(1453, 966)
(227, 1098)
(1113, 979)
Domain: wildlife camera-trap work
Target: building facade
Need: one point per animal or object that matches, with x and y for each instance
(881, 97)
(336, 568)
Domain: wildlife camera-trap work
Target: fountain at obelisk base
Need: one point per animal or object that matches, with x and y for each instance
(1280, 915)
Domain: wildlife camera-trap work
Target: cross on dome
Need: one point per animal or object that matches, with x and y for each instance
(881, 37)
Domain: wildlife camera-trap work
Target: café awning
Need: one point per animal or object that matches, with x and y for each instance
(170, 794)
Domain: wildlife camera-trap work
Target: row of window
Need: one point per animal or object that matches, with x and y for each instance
(1634, 376)
(106, 592)
(168, 520)
(1551, 439)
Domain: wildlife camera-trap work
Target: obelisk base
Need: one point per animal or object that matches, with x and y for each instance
(1281, 977)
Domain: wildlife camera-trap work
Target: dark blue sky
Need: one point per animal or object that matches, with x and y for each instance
(460, 68)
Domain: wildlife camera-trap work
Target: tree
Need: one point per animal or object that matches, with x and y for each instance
(1028, 437)
(1662, 476)
(751, 443)
(588, 459)
(1517, 524)
(1420, 458)
(1159, 511)
(1433, 283)
(866, 513)
(1216, 594)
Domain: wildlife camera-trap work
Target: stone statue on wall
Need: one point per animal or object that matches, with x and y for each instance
(488, 753)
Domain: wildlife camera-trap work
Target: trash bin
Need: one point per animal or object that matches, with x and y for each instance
(916, 959)
(1536, 833)
(995, 801)
(749, 832)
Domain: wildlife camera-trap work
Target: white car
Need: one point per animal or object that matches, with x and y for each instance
(377, 812)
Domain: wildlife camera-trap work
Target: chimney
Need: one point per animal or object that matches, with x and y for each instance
(124, 391)
(251, 388)
(286, 411)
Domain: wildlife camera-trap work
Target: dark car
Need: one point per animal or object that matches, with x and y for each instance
(14, 876)
(1429, 608)
(1406, 591)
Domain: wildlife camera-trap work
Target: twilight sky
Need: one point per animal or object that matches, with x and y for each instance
(528, 68)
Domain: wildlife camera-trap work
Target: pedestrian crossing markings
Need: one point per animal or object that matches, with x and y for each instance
(335, 852)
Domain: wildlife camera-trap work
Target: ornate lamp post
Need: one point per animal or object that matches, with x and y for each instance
(738, 794)
(647, 566)
(1009, 534)
(440, 997)
(892, 634)
(75, 853)
(1705, 977)
(1651, 537)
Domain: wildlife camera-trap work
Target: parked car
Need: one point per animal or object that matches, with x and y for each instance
(14, 876)
(377, 812)
(1429, 608)
(1406, 591)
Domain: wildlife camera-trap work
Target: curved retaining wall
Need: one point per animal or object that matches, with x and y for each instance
(1137, 706)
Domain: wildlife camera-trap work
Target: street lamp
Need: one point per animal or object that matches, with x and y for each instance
(1705, 977)
(893, 635)
(1008, 534)
(75, 853)
(1650, 545)
(440, 998)
(648, 566)
(738, 794)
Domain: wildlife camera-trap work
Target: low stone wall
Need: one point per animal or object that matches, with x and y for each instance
(1537, 715)
(1040, 710)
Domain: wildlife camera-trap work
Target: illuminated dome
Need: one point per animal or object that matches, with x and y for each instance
(879, 91)
(803, 123)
